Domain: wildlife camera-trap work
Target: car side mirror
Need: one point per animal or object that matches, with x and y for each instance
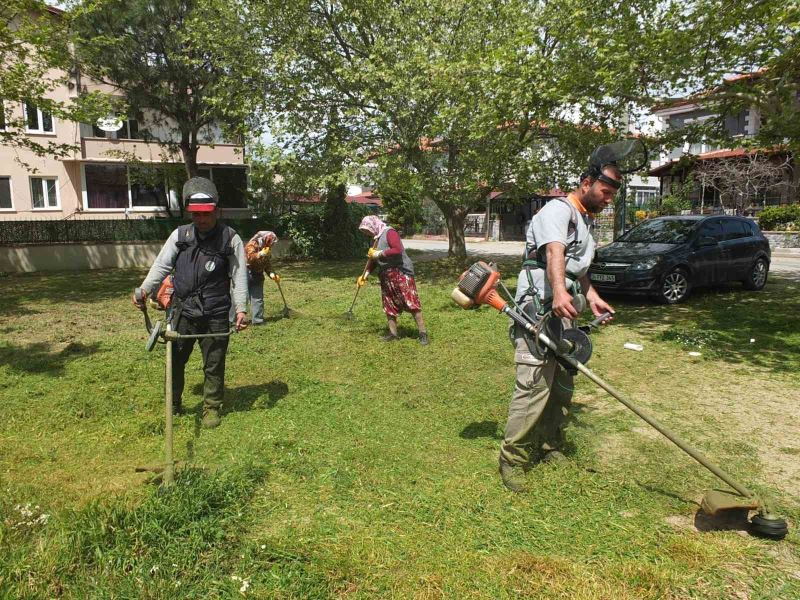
(706, 240)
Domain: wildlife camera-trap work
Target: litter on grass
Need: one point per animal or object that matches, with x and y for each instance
(632, 346)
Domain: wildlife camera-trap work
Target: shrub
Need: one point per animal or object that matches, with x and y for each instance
(780, 218)
(304, 228)
(673, 205)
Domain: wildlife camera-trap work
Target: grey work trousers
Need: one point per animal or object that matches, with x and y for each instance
(539, 406)
(255, 292)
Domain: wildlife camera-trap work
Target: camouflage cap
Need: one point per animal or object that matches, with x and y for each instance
(200, 195)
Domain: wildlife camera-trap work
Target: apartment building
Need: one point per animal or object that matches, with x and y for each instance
(676, 166)
(118, 168)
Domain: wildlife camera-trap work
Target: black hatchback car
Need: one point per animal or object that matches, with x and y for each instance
(666, 257)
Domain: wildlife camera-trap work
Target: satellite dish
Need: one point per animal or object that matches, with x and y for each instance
(109, 124)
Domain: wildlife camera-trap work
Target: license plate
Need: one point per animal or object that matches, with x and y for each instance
(602, 277)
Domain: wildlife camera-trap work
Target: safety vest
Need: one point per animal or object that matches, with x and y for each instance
(201, 280)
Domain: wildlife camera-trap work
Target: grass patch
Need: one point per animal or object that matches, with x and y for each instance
(375, 470)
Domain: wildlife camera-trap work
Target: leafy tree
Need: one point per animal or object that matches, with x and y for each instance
(36, 61)
(766, 50)
(471, 95)
(401, 195)
(186, 67)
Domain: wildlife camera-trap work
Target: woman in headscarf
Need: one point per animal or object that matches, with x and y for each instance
(396, 273)
(258, 252)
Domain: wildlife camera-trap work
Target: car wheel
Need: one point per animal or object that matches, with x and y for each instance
(674, 287)
(757, 278)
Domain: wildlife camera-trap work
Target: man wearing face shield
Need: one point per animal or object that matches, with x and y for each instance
(559, 251)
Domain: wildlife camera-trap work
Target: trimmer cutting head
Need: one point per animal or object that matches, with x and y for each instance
(763, 523)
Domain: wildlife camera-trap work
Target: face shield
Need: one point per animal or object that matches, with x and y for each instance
(626, 155)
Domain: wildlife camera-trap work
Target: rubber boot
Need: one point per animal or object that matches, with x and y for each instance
(512, 476)
(211, 418)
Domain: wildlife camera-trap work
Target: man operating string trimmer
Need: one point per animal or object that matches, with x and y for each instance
(208, 261)
(558, 253)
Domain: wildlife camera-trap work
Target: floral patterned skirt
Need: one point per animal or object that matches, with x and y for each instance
(398, 292)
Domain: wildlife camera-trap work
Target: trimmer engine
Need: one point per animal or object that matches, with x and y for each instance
(476, 285)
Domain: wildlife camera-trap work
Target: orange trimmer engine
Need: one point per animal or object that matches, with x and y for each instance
(478, 285)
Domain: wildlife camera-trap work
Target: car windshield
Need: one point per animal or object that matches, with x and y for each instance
(660, 231)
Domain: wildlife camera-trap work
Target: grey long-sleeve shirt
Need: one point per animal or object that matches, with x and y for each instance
(237, 269)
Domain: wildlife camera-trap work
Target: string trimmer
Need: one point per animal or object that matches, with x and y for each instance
(162, 332)
(286, 312)
(478, 285)
(349, 314)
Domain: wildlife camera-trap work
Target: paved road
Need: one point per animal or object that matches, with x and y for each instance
(785, 262)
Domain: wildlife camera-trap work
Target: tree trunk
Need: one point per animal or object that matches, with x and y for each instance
(455, 218)
(189, 153)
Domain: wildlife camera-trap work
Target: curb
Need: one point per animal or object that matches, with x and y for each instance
(786, 252)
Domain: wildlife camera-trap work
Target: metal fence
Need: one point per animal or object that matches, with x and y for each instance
(103, 230)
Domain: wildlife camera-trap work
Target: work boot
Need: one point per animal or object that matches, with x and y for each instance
(390, 337)
(210, 417)
(513, 477)
(554, 456)
(423, 338)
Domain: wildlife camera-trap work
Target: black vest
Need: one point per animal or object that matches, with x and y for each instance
(202, 284)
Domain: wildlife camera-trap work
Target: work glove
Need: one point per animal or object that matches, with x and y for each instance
(265, 252)
(275, 277)
(361, 281)
(140, 305)
(372, 253)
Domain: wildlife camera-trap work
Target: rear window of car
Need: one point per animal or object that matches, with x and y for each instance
(712, 228)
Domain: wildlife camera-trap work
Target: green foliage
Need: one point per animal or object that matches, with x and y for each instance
(672, 204)
(678, 198)
(784, 218)
(304, 228)
(402, 197)
(339, 238)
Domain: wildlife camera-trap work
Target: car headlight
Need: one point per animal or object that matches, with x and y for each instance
(646, 264)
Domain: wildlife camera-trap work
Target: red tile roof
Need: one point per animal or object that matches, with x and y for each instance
(715, 155)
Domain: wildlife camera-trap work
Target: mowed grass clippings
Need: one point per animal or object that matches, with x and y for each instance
(347, 467)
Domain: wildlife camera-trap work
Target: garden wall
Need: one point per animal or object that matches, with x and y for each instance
(83, 256)
(783, 239)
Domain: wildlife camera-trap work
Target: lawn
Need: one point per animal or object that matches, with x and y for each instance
(349, 468)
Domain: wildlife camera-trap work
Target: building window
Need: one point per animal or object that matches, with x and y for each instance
(106, 186)
(645, 197)
(128, 131)
(123, 186)
(5, 194)
(231, 185)
(37, 121)
(148, 187)
(44, 193)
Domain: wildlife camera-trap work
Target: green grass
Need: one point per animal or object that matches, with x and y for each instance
(345, 467)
